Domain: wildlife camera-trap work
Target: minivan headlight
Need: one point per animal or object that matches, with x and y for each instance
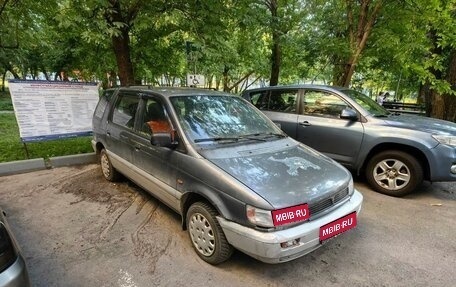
(259, 217)
(445, 139)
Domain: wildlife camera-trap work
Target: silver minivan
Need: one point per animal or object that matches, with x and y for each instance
(235, 178)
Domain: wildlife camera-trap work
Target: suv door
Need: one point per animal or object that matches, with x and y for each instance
(320, 126)
(280, 106)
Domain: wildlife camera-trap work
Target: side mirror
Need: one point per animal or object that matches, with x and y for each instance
(163, 140)
(349, 114)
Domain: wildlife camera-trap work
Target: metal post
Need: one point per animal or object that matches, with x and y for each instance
(397, 88)
(26, 150)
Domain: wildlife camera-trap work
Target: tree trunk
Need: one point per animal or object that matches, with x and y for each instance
(226, 88)
(449, 101)
(441, 106)
(276, 59)
(357, 37)
(43, 70)
(121, 41)
(121, 46)
(276, 55)
(3, 81)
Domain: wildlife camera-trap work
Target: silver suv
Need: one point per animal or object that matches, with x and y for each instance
(235, 178)
(395, 152)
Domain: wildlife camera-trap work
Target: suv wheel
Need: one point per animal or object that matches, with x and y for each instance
(207, 236)
(394, 173)
(109, 172)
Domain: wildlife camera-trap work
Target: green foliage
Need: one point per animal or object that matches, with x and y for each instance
(233, 39)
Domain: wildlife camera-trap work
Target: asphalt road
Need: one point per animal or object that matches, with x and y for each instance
(76, 229)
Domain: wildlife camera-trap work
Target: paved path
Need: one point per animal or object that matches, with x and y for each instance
(76, 229)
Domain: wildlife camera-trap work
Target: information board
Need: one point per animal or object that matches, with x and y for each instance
(48, 110)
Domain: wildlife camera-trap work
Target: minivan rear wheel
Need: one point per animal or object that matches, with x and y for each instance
(206, 234)
(108, 171)
(394, 173)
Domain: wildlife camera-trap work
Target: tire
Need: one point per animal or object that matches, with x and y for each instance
(394, 173)
(206, 234)
(108, 171)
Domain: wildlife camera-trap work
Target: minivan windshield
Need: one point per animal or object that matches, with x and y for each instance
(371, 106)
(222, 119)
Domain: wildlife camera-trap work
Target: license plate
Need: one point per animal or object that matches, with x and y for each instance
(290, 214)
(338, 226)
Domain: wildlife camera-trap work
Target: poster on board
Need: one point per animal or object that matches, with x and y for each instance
(48, 110)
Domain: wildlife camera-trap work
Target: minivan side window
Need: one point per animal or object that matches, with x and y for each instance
(319, 103)
(277, 101)
(125, 110)
(154, 118)
(102, 103)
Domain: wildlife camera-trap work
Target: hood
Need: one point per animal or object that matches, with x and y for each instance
(421, 123)
(286, 176)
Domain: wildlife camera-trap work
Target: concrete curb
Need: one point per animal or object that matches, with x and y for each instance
(23, 166)
(73, 159)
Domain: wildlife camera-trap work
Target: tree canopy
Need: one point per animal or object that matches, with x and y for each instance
(407, 46)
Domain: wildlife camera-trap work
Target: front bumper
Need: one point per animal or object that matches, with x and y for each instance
(265, 246)
(443, 163)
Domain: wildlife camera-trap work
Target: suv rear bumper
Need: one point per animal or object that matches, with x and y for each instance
(265, 246)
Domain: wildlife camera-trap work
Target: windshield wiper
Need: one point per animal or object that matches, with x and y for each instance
(268, 135)
(217, 139)
(254, 137)
(263, 136)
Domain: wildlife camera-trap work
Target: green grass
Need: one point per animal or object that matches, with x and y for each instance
(13, 149)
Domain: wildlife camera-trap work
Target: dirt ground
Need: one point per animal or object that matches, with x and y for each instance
(76, 229)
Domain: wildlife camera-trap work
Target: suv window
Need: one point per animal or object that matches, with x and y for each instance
(125, 110)
(319, 103)
(277, 101)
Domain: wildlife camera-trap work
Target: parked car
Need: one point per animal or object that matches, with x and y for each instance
(394, 151)
(234, 177)
(13, 271)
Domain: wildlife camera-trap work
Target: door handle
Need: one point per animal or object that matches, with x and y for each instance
(108, 134)
(305, 123)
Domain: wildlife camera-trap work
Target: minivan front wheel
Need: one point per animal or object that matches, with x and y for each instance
(108, 171)
(394, 173)
(206, 234)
